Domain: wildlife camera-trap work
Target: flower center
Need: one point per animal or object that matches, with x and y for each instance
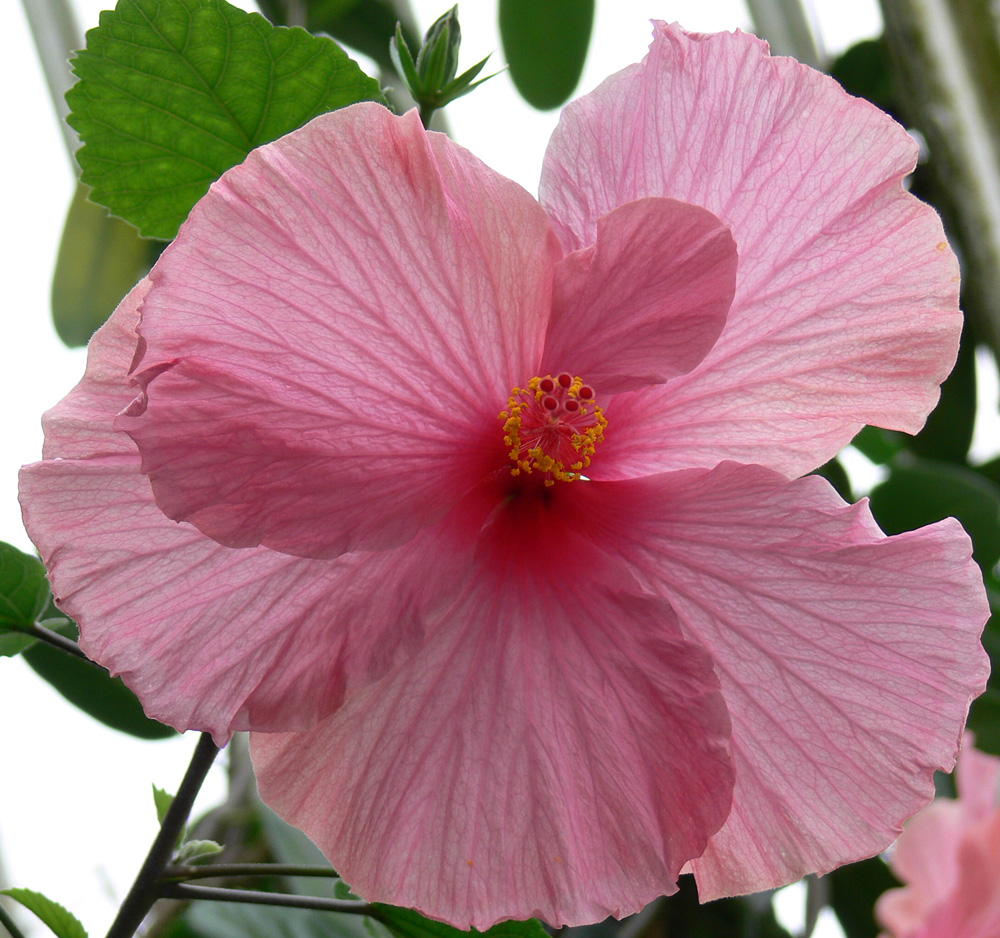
(553, 426)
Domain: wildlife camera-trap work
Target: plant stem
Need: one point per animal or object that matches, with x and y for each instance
(54, 639)
(230, 870)
(184, 891)
(147, 887)
(9, 924)
(426, 113)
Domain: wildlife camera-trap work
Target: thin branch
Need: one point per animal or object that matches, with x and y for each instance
(54, 639)
(185, 891)
(232, 870)
(147, 888)
(9, 923)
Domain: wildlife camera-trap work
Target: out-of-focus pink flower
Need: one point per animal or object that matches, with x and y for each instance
(482, 513)
(949, 857)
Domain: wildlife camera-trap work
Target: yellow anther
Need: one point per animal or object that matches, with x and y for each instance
(551, 424)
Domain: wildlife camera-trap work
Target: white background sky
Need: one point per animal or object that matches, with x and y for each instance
(76, 815)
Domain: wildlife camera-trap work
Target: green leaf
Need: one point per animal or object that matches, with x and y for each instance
(405, 923)
(923, 491)
(170, 95)
(163, 800)
(193, 850)
(864, 70)
(63, 923)
(879, 445)
(545, 42)
(89, 687)
(100, 259)
(984, 721)
(853, 891)
(948, 432)
(836, 475)
(24, 591)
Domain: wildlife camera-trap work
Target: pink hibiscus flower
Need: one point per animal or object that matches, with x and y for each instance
(480, 512)
(949, 857)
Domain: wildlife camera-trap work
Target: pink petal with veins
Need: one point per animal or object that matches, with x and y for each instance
(846, 307)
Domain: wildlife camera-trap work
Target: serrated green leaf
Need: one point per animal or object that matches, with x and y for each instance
(89, 687)
(545, 42)
(163, 800)
(62, 922)
(100, 259)
(170, 95)
(193, 850)
(24, 591)
(405, 923)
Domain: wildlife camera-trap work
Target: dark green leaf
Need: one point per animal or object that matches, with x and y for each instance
(879, 445)
(948, 432)
(366, 26)
(835, 474)
(93, 690)
(864, 70)
(163, 800)
(984, 721)
(991, 470)
(100, 259)
(545, 42)
(63, 923)
(170, 95)
(405, 923)
(922, 491)
(24, 591)
(853, 891)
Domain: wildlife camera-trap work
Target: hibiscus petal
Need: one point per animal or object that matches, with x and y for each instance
(530, 761)
(977, 779)
(646, 301)
(847, 659)
(208, 637)
(846, 307)
(332, 334)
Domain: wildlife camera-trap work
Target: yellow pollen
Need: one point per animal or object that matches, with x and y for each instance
(553, 427)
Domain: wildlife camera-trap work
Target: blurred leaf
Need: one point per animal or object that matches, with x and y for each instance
(835, 474)
(865, 70)
(193, 850)
(545, 42)
(923, 491)
(163, 800)
(63, 923)
(879, 445)
(984, 721)
(991, 470)
(100, 259)
(89, 687)
(170, 95)
(366, 26)
(405, 923)
(853, 891)
(948, 432)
